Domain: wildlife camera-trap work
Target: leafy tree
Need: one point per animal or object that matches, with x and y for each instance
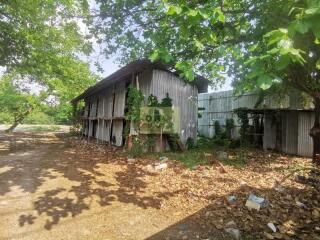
(54, 96)
(260, 43)
(32, 31)
(15, 102)
(40, 42)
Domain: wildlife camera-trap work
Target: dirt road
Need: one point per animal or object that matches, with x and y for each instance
(57, 188)
(48, 190)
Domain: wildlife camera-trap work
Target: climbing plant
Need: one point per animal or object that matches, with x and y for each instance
(134, 102)
(153, 101)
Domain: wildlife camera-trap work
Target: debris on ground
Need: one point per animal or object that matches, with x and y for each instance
(131, 160)
(255, 202)
(185, 196)
(272, 227)
(232, 199)
(300, 204)
(233, 232)
(243, 184)
(161, 166)
(163, 159)
(222, 156)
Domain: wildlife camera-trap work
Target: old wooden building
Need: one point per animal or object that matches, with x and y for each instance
(103, 116)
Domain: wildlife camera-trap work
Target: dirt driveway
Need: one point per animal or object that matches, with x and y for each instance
(50, 190)
(53, 188)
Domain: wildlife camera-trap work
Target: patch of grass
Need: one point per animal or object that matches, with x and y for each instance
(49, 128)
(189, 158)
(238, 159)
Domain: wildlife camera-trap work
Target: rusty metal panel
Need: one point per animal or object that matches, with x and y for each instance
(305, 144)
(184, 96)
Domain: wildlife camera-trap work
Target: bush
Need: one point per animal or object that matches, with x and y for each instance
(190, 143)
(5, 118)
(38, 118)
(218, 142)
(234, 143)
(136, 149)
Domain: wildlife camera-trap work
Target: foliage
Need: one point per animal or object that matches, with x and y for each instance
(40, 43)
(217, 129)
(166, 102)
(190, 143)
(5, 118)
(34, 32)
(137, 147)
(153, 101)
(134, 101)
(260, 43)
(234, 143)
(15, 102)
(150, 143)
(38, 117)
(244, 128)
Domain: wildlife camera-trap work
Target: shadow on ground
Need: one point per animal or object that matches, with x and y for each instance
(49, 161)
(69, 178)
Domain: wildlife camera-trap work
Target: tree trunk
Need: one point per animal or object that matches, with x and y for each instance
(18, 120)
(315, 132)
(12, 127)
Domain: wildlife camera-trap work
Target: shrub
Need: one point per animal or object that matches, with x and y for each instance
(5, 118)
(190, 143)
(217, 129)
(234, 143)
(38, 118)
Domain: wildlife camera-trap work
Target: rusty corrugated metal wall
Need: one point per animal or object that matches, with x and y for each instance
(293, 137)
(219, 106)
(289, 132)
(107, 107)
(305, 144)
(184, 96)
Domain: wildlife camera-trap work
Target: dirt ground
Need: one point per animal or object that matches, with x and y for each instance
(52, 187)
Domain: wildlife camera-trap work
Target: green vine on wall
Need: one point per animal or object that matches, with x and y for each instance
(134, 102)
